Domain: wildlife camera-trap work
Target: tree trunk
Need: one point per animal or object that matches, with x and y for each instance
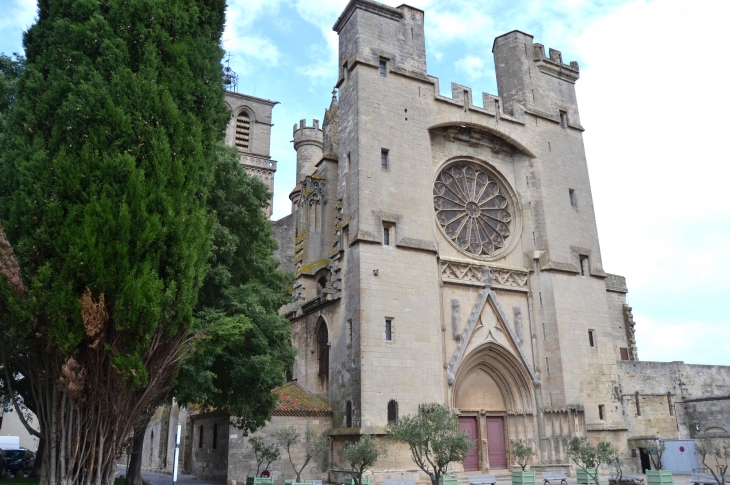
(38, 465)
(134, 471)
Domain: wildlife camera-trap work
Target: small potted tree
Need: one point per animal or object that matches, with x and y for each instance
(264, 453)
(434, 440)
(657, 476)
(521, 454)
(588, 459)
(361, 456)
(718, 449)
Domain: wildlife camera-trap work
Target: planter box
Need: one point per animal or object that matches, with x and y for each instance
(659, 477)
(584, 477)
(259, 481)
(523, 478)
(450, 479)
(351, 481)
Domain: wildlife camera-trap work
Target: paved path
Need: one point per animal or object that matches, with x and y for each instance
(162, 479)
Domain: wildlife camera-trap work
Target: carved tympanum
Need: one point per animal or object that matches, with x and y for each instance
(472, 209)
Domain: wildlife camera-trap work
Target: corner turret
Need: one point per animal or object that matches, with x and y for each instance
(309, 144)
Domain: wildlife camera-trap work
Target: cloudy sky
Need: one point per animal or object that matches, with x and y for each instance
(654, 100)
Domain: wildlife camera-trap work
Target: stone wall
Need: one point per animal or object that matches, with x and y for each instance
(209, 455)
(241, 460)
(283, 230)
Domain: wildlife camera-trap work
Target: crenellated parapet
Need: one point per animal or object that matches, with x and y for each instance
(554, 65)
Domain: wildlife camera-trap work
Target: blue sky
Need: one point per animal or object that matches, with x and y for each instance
(653, 97)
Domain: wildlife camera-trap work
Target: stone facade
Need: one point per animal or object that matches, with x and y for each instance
(446, 252)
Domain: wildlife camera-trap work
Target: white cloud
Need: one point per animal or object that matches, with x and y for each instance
(693, 342)
(242, 35)
(17, 13)
(653, 100)
(475, 68)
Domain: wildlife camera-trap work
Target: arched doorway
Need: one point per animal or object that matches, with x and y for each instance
(493, 394)
(323, 355)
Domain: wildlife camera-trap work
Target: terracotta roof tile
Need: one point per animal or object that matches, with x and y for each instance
(294, 400)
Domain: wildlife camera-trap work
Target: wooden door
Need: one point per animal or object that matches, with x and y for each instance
(468, 424)
(496, 448)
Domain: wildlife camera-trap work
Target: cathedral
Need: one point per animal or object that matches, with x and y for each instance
(446, 253)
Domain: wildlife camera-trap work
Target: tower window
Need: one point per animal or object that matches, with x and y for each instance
(384, 162)
(200, 436)
(383, 66)
(349, 330)
(624, 353)
(601, 412)
(573, 199)
(348, 414)
(215, 435)
(392, 411)
(591, 338)
(584, 266)
(243, 131)
(388, 329)
(386, 236)
(563, 119)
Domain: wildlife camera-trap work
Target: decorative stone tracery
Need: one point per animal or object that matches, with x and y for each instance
(472, 209)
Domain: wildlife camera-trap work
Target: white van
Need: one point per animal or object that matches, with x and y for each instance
(9, 442)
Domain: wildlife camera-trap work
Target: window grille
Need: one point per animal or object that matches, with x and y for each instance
(243, 131)
(384, 159)
(348, 414)
(386, 236)
(389, 330)
(383, 68)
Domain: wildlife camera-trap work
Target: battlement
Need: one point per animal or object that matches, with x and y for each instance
(303, 126)
(553, 65)
(462, 96)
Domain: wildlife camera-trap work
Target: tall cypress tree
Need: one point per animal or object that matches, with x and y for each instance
(105, 164)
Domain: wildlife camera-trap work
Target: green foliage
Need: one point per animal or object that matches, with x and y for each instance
(243, 349)
(10, 71)
(314, 445)
(589, 457)
(434, 440)
(106, 161)
(520, 452)
(708, 446)
(654, 449)
(107, 158)
(264, 452)
(363, 455)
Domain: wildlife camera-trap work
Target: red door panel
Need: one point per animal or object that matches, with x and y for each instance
(469, 424)
(496, 448)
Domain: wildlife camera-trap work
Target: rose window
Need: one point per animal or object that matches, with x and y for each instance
(472, 209)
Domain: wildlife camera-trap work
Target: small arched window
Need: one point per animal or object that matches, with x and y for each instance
(321, 285)
(200, 436)
(243, 131)
(348, 414)
(392, 411)
(215, 435)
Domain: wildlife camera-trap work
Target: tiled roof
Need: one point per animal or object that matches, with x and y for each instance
(294, 400)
